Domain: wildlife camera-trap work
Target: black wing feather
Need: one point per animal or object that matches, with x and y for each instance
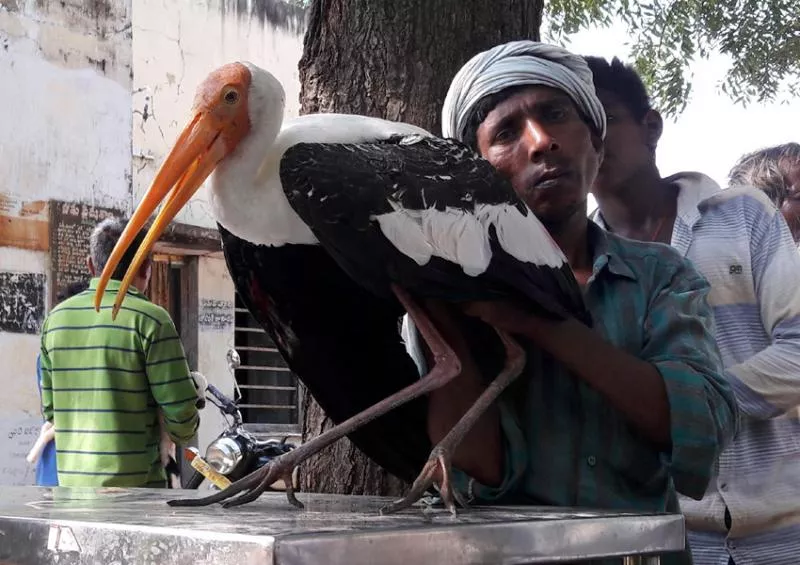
(339, 339)
(338, 189)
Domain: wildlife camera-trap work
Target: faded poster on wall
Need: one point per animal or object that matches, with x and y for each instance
(22, 302)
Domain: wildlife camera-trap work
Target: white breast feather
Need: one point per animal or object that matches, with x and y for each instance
(462, 237)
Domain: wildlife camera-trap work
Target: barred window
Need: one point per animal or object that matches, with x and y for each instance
(269, 389)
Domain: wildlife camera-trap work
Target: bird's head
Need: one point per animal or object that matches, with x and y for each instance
(221, 119)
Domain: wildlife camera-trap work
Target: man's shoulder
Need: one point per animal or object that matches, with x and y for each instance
(139, 306)
(657, 262)
(135, 309)
(74, 306)
(744, 202)
(636, 251)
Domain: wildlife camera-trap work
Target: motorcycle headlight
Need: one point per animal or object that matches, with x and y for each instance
(224, 454)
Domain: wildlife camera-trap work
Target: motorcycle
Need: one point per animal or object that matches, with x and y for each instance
(236, 452)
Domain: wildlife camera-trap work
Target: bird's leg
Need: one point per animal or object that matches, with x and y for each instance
(442, 453)
(446, 367)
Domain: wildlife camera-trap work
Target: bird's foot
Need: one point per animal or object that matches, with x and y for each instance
(253, 485)
(436, 472)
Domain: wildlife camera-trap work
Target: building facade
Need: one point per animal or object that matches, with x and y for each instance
(93, 96)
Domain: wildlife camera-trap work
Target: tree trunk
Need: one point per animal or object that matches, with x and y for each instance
(392, 59)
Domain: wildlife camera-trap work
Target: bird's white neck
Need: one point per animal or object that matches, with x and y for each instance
(246, 195)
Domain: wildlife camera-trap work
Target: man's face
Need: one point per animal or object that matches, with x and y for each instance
(790, 207)
(537, 139)
(627, 146)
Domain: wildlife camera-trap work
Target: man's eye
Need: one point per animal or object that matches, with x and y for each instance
(504, 135)
(554, 114)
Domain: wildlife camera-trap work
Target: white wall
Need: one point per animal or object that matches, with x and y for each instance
(20, 416)
(66, 99)
(215, 336)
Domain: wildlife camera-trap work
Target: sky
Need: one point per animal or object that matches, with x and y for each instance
(712, 132)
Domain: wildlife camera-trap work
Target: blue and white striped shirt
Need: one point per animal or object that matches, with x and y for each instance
(741, 244)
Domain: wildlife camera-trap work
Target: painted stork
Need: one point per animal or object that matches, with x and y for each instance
(333, 225)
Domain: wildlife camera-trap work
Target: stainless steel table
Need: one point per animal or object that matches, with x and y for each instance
(135, 526)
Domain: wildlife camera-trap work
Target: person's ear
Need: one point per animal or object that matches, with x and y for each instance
(654, 127)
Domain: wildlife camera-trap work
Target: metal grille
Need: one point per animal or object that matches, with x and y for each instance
(269, 389)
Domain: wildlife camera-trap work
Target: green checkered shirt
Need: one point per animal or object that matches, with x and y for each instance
(566, 445)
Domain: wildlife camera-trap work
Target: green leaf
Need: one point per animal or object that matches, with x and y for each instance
(761, 38)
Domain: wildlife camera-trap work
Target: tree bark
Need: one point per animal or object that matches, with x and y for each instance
(391, 59)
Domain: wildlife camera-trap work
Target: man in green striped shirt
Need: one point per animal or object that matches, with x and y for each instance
(104, 381)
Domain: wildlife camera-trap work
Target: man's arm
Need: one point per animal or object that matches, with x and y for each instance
(767, 385)
(170, 382)
(45, 382)
(674, 392)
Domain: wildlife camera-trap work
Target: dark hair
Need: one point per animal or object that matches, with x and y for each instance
(488, 103)
(71, 290)
(102, 241)
(621, 80)
(765, 170)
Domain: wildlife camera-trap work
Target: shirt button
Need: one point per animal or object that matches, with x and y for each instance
(591, 460)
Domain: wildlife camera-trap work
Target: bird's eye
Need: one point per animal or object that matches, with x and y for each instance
(231, 97)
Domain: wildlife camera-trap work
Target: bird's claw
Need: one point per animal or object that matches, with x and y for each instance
(253, 485)
(438, 464)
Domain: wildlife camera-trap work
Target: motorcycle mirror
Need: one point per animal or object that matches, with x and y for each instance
(234, 362)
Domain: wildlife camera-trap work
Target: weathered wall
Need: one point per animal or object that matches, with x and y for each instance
(177, 44)
(22, 295)
(65, 90)
(65, 72)
(94, 92)
(214, 337)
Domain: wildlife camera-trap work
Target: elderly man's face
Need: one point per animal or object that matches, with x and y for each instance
(790, 207)
(539, 141)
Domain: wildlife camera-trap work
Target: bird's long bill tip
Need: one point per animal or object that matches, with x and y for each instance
(192, 159)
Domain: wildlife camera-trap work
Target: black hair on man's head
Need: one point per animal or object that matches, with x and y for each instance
(102, 242)
(623, 81)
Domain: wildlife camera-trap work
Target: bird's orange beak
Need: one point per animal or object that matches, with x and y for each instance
(192, 159)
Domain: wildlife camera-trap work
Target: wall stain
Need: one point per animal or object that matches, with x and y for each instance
(276, 13)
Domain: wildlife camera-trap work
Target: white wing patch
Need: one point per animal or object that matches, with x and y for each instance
(462, 237)
(405, 233)
(523, 237)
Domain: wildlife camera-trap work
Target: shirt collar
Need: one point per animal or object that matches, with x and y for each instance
(693, 191)
(605, 252)
(113, 286)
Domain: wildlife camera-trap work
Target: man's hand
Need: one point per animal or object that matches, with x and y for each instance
(503, 316)
(632, 385)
